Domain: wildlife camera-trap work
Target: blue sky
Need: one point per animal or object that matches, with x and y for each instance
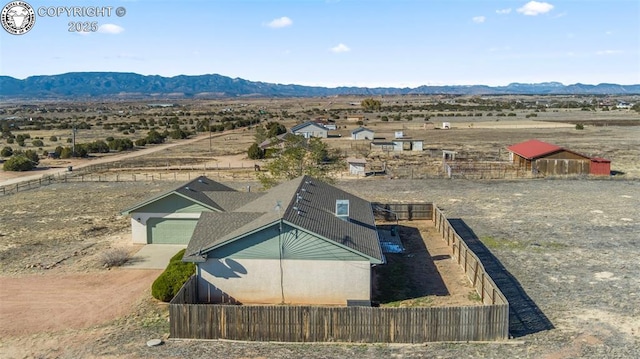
(401, 43)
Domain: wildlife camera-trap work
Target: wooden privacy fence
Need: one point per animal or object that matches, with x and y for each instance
(283, 323)
(403, 211)
(468, 260)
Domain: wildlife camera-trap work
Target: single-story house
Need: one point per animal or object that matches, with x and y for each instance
(302, 242)
(362, 133)
(356, 165)
(171, 217)
(549, 159)
(310, 129)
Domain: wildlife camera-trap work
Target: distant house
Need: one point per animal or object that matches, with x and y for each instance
(548, 159)
(310, 129)
(624, 105)
(302, 242)
(357, 166)
(362, 133)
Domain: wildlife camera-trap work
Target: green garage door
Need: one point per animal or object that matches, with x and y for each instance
(170, 230)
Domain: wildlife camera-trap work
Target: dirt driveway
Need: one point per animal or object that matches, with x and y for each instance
(69, 301)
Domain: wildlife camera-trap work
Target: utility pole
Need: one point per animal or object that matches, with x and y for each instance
(73, 148)
(209, 135)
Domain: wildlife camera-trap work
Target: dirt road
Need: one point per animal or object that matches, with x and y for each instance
(54, 302)
(8, 178)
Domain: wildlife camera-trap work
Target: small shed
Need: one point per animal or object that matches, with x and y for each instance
(356, 166)
(362, 133)
(446, 125)
(398, 134)
(382, 146)
(600, 166)
(408, 145)
(448, 155)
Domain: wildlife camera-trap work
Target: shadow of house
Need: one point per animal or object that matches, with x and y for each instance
(524, 315)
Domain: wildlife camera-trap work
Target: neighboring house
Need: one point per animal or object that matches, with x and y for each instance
(302, 242)
(356, 166)
(310, 129)
(548, 159)
(624, 105)
(170, 217)
(362, 133)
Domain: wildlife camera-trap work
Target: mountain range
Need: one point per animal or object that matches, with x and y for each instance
(131, 85)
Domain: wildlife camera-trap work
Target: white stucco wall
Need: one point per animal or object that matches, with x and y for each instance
(139, 223)
(258, 281)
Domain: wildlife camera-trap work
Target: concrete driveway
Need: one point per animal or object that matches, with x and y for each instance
(153, 256)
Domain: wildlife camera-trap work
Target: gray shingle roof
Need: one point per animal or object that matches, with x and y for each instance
(195, 189)
(215, 227)
(303, 202)
(361, 129)
(228, 201)
(308, 123)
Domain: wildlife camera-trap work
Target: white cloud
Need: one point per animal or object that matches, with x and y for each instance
(280, 22)
(533, 8)
(340, 48)
(503, 11)
(110, 29)
(479, 19)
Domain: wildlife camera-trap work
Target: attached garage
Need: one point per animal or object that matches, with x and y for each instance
(170, 217)
(170, 230)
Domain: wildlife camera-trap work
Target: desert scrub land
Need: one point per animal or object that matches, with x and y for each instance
(570, 244)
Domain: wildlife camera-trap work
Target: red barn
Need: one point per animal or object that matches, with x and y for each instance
(549, 159)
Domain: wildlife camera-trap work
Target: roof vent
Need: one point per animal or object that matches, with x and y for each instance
(342, 209)
(187, 188)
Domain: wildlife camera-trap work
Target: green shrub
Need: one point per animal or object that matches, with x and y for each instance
(53, 138)
(141, 142)
(6, 151)
(18, 163)
(37, 143)
(579, 126)
(167, 285)
(255, 152)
